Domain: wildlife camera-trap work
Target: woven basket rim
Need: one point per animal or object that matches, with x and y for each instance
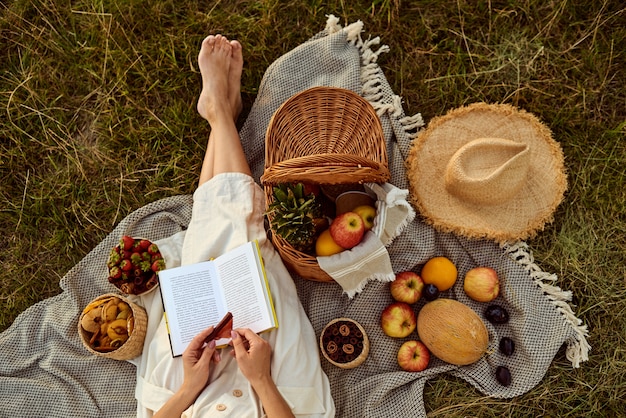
(318, 90)
(133, 347)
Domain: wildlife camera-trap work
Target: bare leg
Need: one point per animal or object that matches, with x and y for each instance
(221, 63)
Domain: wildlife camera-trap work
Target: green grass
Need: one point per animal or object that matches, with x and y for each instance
(98, 119)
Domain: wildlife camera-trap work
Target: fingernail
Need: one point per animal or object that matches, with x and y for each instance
(233, 335)
(212, 344)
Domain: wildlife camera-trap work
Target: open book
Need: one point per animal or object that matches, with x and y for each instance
(198, 295)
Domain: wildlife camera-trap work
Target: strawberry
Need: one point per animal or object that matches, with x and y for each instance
(127, 243)
(136, 247)
(156, 257)
(135, 259)
(144, 244)
(114, 259)
(153, 249)
(126, 265)
(158, 265)
(115, 272)
(145, 266)
(126, 254)
(145, 256)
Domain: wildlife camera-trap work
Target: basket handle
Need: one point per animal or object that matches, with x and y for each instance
(330, 168)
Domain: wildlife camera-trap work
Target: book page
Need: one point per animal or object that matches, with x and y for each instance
(242, 283)
(192, 302)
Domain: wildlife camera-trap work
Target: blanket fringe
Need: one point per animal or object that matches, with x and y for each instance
(372, 77)
(383, 278)
(332, 24)
(577, 347)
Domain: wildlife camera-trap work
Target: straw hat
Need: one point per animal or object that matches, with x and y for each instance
(487, 171)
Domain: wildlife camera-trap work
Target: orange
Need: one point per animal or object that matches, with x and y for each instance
(325, 245)
(439, 271)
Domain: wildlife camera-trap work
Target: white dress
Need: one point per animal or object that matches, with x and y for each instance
(227, 212)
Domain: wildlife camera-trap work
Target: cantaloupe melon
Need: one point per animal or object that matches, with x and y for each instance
(452, 331)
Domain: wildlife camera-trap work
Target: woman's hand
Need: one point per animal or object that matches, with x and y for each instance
(197, 363)
(253, 355)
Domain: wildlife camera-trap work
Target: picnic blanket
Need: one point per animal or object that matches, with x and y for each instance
(47, 372)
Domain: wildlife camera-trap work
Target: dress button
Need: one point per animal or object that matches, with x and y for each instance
(220, 407)
(237, 393)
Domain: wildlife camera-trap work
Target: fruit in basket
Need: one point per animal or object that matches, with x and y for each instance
(407, 287)
(311, 188)
(107, 323)
(133, 267)
(398, 320)
(439, 271)
(452, 331)
(482, 284)
(413, 356)
(347, 230)
(368, 214)
(296, 216)
(325, 245)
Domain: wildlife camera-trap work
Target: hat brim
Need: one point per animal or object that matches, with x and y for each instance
(518, 218)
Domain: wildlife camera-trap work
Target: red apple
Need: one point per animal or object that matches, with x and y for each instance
(407, 287)
(482, 284)
(367, 213)
(347, 230)
(413, 356)
(398, 320)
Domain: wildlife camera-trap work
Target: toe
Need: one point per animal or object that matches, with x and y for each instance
(208, 42)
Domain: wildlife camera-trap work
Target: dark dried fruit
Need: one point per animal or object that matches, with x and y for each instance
(507, 346)
(430, 292)
(497, 314)
(503, 375)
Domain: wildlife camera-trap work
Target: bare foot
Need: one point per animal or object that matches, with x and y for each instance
(214, 61)
(234, 78)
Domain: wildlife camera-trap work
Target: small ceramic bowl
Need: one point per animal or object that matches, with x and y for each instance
(347, 201)
(139, 276)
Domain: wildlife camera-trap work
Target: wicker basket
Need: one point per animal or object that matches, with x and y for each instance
(340, 335)
(323, 135)
(132, 347)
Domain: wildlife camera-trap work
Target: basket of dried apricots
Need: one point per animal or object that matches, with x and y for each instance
(113, 326)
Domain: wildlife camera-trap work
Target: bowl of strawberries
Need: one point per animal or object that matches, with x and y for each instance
(133, 265)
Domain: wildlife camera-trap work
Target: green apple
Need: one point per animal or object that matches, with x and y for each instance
(367, 213)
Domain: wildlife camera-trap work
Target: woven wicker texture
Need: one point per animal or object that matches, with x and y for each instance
(323, 135)
(134, 345)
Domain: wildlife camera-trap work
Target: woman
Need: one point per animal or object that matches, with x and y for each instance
(277, 374)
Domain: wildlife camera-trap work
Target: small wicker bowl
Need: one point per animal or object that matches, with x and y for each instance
(327, 136)
(344, 343)
(133, 346)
